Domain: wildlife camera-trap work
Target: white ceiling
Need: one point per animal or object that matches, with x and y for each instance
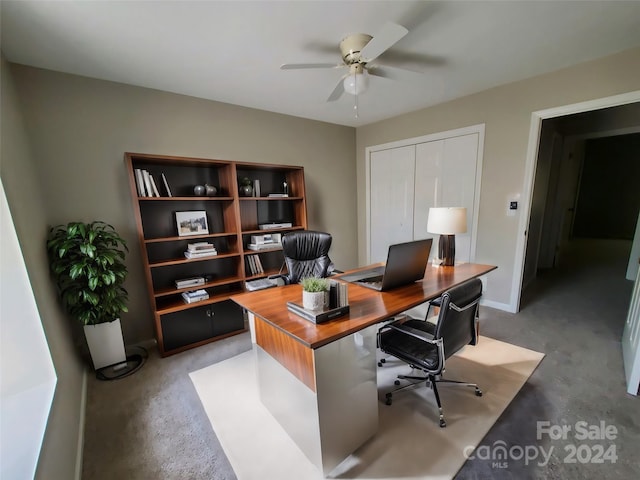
(231, 51)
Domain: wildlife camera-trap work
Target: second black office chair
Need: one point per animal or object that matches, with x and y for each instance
(306, 254)
(425, 346)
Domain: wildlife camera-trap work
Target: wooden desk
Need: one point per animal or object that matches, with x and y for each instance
(325, 397)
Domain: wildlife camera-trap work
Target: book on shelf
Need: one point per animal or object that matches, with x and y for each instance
(256, 188)
(256, 247)
(259, 267)
(166, 185)
(200, 246)
(189, 282)
(154, 187)
(139, 182)
(266, 238)
(251, 265)
(195, 296)
(201, 254)
(147, 183)
(318, 316)
(278, 195)
(270, 226)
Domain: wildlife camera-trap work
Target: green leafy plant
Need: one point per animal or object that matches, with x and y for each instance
(87, 263)
(314, 284)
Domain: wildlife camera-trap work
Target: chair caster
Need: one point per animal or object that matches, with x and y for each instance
(379, 364)
(478, 392)
(397, 382)
(389, 400)
(443, 424)
(383, 360)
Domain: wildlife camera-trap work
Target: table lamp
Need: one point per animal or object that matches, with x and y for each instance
(447, 221)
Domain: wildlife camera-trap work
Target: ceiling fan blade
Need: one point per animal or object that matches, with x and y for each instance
(299, 66)
(382, 41)
(338, 91)
(393, 73)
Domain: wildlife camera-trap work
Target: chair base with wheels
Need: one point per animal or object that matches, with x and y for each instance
(431, 381)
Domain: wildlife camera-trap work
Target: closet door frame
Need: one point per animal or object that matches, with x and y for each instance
(473, 129)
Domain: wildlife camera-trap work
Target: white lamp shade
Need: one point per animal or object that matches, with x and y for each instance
(447, 220)
(356, 83)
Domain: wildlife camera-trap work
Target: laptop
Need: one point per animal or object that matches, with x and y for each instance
(406, 263)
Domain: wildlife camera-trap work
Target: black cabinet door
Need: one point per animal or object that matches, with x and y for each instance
(200, 323)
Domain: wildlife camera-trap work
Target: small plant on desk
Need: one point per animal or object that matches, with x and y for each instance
(314, 293)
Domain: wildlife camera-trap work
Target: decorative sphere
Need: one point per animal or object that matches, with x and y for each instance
(198, 190)
(210, 190)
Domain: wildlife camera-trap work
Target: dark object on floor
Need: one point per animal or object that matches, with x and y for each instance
(124, 369)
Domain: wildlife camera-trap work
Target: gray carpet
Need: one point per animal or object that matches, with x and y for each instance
(152, 424)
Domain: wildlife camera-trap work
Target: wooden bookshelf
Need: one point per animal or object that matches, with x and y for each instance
(231, 220)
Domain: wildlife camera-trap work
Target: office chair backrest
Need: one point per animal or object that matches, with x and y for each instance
(306, 254)
(457, 318)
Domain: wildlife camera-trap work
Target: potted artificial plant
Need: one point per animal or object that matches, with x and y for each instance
(314, 293)
(87, 263)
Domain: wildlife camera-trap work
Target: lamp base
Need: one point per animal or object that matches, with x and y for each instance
(447, 250)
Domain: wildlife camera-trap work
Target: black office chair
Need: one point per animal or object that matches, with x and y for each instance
(425, 346)
(306, 254)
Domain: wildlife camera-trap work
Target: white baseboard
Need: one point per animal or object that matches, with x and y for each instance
(498, 305)
(81, 425)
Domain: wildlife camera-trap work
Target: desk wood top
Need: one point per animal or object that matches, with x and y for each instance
(367, 307)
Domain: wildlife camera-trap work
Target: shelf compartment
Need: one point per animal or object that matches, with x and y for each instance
(218, 271)
(183, 260)
(168, 253)
(159, 218)
(175, 303)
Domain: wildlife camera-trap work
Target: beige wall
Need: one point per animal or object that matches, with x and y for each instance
(79, 129)
(506, 112)
(27, 204)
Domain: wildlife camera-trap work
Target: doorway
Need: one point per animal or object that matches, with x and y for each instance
(569, 125)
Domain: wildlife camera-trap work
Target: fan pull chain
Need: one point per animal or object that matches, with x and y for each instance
(355, 100)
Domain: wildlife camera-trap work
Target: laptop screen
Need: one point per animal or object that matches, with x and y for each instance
(406, 263)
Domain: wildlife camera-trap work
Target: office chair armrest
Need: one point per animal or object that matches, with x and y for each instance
(414, 332)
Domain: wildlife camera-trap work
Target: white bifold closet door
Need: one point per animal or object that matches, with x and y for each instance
(406, 181)
(392, 199)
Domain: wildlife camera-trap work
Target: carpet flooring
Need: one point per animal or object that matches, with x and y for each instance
(258, 447)
(153, 424)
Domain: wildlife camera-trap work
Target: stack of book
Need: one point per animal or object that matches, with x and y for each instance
(338, 294)
(265, 242)
(195, 296)
(189, 282)
(200, 249)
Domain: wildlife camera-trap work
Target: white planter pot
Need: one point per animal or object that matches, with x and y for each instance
(105, 343)
(314, 300)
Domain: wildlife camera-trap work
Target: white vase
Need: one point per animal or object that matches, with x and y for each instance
(313, 300)
(106, 344)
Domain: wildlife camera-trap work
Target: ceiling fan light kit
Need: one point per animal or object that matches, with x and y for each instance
(357, 82)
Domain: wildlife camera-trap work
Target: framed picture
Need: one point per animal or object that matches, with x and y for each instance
(192, 223)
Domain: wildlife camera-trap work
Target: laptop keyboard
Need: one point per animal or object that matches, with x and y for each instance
(374, 280)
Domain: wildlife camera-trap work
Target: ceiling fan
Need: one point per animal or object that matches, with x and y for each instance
(359, 50)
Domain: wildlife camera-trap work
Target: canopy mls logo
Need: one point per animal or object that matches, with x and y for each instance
(588, 443)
